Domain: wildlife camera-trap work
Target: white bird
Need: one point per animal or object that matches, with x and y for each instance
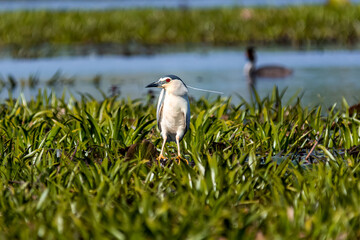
(173, 111)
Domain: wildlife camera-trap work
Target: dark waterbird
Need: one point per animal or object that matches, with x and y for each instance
(268, 71)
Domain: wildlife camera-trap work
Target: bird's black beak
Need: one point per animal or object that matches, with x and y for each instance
(154, 84)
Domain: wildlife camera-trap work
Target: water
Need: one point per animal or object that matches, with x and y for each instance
(324, 76)
(111, 4)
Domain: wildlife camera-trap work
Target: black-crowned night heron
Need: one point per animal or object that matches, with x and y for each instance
(173, 111)
(269, 71)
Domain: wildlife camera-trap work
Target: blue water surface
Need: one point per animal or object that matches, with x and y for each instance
(324, 76)
(114, 4)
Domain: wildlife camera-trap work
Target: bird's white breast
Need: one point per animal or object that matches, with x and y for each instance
(173, 115)
(249, 69)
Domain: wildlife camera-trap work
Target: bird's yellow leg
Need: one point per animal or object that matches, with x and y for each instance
(161, 156)
(178, 158)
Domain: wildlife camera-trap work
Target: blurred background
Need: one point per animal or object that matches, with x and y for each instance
(118, 47)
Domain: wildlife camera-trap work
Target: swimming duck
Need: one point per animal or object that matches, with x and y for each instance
(269, 71)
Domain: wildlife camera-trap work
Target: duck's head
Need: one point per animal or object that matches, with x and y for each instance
(250, 54)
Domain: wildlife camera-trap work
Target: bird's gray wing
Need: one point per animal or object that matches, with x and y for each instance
(187, 117)
(160, 108)
(273, 71)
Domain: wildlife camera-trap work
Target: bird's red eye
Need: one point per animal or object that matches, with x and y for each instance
(168, 80)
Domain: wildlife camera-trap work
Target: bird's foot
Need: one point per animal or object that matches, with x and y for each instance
(161, 158)
(178, 158)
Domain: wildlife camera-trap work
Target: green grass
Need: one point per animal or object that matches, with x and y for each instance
(67, 171)
(298, 26)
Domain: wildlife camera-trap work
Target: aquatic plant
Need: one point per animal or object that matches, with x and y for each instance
(132, 28)
(86, 169)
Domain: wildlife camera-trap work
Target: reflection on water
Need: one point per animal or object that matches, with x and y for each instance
(324, 76)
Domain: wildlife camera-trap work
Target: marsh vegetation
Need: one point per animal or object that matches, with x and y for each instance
(87, 169)
(299, 26)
